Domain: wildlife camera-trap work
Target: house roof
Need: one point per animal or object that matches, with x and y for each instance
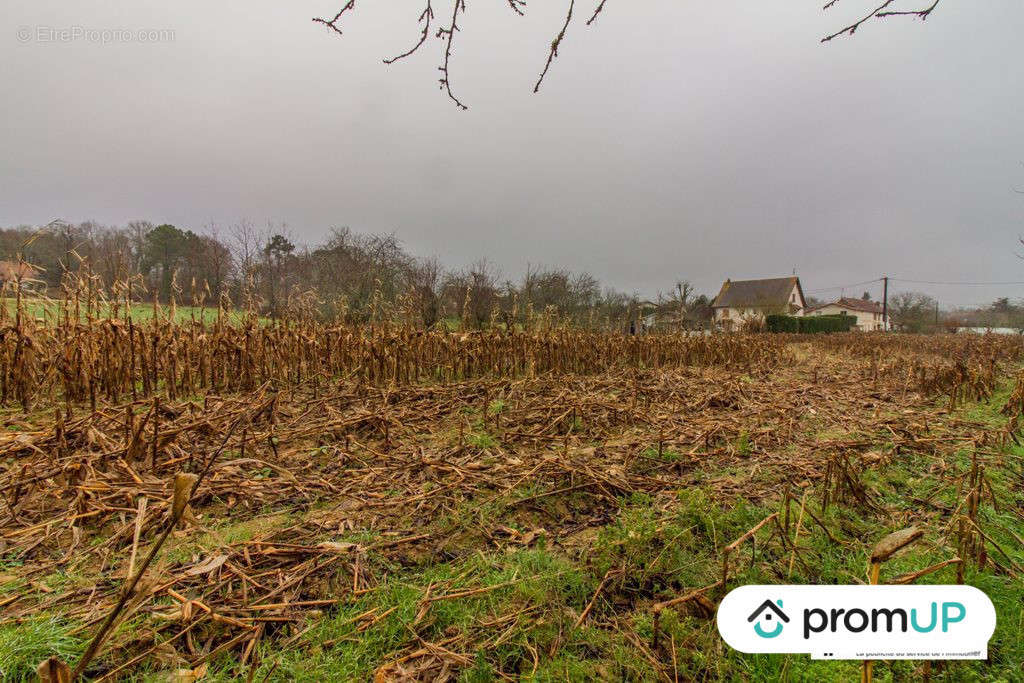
(853, 305)
(768, 293)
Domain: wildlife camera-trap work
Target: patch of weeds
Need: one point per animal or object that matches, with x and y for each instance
(655, 552)
(467, 514)
(832, 434)
(743, 444)
(10, 582)
(66, 579)
(10, 562)
(666, 455)
(481, 439)
(181, 551)
(264, 473)
(25, 644)
(640, 498)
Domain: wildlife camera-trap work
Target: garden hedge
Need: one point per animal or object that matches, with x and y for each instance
(814, 324)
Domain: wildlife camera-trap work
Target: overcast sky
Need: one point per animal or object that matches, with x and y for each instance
(697, 140)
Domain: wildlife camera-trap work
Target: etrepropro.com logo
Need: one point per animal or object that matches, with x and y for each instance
(859, 622)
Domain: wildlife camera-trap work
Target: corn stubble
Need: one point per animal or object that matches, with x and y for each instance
(392, 429)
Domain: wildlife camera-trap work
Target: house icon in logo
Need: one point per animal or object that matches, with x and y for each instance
(767, 612)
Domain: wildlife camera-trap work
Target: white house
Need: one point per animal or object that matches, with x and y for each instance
(869, 313)
(741, 300)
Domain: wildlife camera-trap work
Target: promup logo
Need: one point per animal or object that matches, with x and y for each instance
(765, 612)
(859, 622)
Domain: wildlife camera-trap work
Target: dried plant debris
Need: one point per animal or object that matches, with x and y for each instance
(525, 463)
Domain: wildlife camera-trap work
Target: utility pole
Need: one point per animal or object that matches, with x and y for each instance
(885, 303)
(682, 304)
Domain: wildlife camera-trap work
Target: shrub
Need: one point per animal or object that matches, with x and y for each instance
(782, 323)
(810, 324)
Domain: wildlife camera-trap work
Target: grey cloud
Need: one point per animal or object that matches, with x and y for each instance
(670, 139)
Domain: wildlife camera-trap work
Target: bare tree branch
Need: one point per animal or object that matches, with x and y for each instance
(879, 13)
(922, 13)
(447, 33)
(852, 28)
(333, 23)
(601, 7)
(517, 6)
(425, 17)
(450, 33)
(554, 46)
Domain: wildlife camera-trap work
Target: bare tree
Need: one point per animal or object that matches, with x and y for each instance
(114, 256)
(137, 231)
(913, 311)
(690, 309)
(361, 270)
(245, 243)
(217, 263)
(478, 288)
(425, 285)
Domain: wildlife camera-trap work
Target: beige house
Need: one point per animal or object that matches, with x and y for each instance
(869, 313)
(740, 301)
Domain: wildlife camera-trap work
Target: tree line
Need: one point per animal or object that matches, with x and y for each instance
(348, 276)
(359, 278)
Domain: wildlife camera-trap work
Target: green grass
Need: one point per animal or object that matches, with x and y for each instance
(48, 311)
(479, 437)
(183, 550)
(666, 455)
(334, 649)
(743, 444)
(24, 645)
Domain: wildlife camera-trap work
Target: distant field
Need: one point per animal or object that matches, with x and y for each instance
(47, 310)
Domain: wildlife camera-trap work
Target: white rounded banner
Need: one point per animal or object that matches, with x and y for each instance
(859, 622)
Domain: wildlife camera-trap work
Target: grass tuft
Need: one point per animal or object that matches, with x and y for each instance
(24, 645)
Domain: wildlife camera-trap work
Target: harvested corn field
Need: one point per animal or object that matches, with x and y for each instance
(301, 501)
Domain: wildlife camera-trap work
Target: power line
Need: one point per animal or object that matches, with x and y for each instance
(932, 282)
(918, 282)
(855, 284)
